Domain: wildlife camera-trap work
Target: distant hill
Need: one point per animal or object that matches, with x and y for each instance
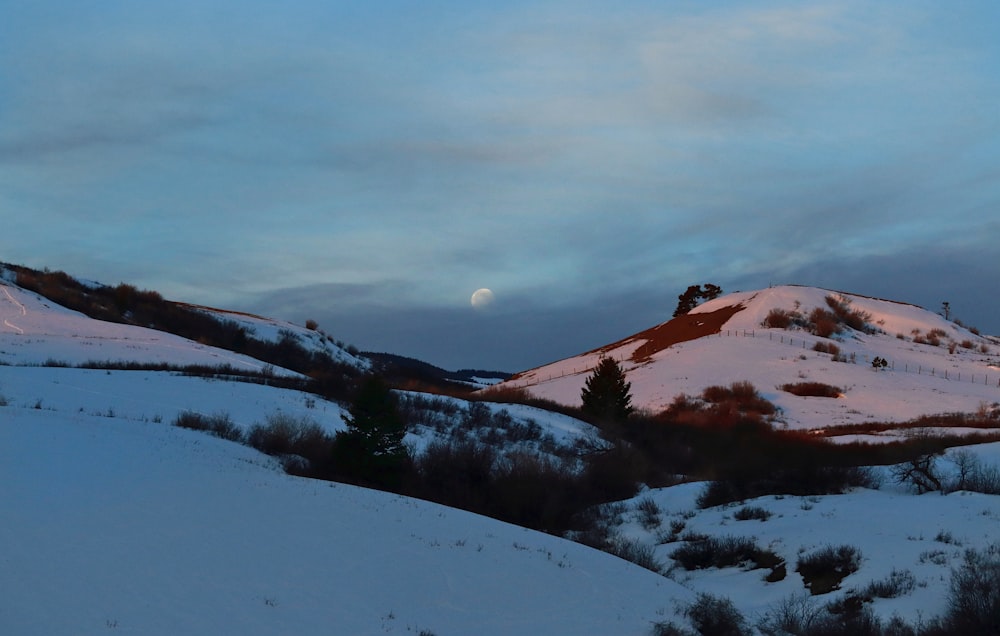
(401, 370)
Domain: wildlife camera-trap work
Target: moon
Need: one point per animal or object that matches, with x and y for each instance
(482, 298)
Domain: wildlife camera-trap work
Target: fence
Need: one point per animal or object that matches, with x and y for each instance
(945, 374)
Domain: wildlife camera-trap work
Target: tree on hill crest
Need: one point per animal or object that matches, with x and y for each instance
(693, 296)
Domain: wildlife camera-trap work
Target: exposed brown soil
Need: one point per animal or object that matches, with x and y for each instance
(680, 329)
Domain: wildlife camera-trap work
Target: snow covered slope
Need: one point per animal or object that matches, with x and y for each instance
(34, 330)
(724, 341)
(120, 526)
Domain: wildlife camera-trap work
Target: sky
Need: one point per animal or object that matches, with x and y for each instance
(371, 165)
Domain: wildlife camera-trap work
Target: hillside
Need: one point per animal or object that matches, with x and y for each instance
(935, 366)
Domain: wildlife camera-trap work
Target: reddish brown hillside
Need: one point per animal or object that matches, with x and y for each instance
(680, 329)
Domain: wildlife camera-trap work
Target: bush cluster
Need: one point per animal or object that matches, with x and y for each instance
(824, 322)
(303, 445)
(827, 347)
(701, 552)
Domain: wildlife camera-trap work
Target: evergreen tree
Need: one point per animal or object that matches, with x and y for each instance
(693, 296)
(371, 450)
(606, 395)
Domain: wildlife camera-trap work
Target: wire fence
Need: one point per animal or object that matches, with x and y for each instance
(906, 367)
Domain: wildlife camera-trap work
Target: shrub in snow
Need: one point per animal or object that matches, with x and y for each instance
(811, 389)
(285, 436)
(219, 424)
(746, 513)
(823, 570)
(649, 513)
(721, 552)
(974, 596)
(826, 347)
(637, 552)
(800, 616)
(717, 616)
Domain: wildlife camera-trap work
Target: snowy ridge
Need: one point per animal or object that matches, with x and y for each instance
(35, 331)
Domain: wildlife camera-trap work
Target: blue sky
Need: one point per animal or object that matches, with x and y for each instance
(370, 165)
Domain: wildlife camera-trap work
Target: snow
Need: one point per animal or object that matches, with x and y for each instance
(893, 529)
(150, 529)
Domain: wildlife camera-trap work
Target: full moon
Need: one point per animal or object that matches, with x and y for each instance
(482, 298)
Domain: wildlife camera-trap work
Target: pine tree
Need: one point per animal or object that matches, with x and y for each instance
(693, 295)
(606, 395)
(371, 450)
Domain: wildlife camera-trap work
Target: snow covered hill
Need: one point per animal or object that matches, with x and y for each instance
(725, 340)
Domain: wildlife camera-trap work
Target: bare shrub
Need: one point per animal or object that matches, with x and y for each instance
(806, 477)
(823, 323)
(778, 319)
(853, 318)
(974, 594)
(746, 513)
(649, 513)
(722, 552)
(642, 554)
(920, 473)
(826, 347)
(799, 616)
(811, 389)
(823, 570)
(285, 435)
(742, 395)
(796, 614)
(716, 616)
(219, 424)
(973, 476)
(968, 344)
(898, 583)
